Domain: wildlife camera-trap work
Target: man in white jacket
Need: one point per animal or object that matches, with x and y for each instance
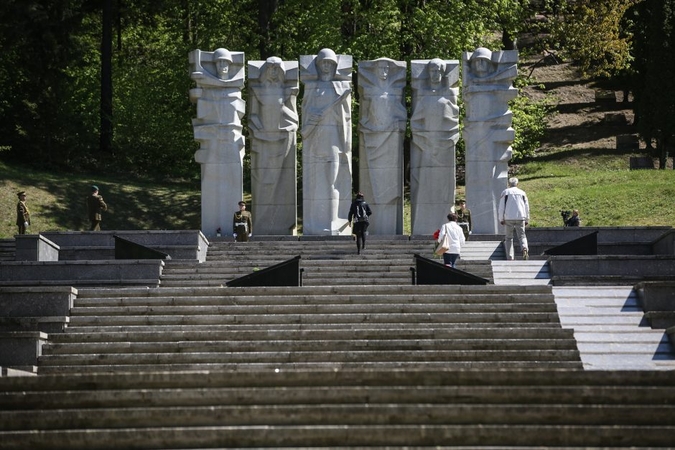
(514, 214)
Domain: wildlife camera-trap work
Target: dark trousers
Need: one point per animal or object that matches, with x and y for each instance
(360, 232)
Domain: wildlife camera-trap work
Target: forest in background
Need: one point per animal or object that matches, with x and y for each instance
(101, 86)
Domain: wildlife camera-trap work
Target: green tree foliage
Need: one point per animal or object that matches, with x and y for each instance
(51, 64)
(40, 53)
(592, 33)
(529, 122)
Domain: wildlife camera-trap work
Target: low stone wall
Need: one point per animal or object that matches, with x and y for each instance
(35, 247)
(36, 308)
(21, 349)
(81, 273)
(622, 269)
(658, 301)
(98, 245)
(611, 240)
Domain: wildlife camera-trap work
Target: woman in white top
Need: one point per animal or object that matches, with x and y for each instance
(456, 236)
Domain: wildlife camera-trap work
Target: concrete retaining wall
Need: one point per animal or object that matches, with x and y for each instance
(97, 245)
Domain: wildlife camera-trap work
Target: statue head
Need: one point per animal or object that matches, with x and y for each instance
(222, 58)
(326, 64)
(382, 69)
(481, 61)
(436, 69)
(273, 69)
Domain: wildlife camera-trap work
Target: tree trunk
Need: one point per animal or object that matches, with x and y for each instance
(266, 9)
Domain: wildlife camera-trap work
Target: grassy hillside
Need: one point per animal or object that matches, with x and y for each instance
(57, 202)
(596, 182)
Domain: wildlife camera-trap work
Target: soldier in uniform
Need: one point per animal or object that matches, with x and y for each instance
(95, 206)
(242, 224)
(22, 213)
(463, 217)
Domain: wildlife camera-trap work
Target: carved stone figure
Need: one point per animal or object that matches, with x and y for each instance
(219, 76)
(487, 90)
(435, 131)
(273, 123)
(327, 142)
(381, 129)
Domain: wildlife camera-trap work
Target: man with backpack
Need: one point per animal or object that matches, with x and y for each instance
(359, 213)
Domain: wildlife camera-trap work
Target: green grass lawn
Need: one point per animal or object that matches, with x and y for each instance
(57, 202)
(597, 183)
(601, 186)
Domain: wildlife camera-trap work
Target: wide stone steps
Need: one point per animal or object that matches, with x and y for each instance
(327, 326)
(611, 330)
(315, 272)
(330, 262)
(145, 335)
(377, 247)
(390, 408)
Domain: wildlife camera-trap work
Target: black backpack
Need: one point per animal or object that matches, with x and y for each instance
(361, 212)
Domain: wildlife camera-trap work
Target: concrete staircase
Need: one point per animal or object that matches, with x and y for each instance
(330, 262)
(339, 364)
(609, 324)
(7, 249)
(392, 409)
(327, 327)
(611, 330)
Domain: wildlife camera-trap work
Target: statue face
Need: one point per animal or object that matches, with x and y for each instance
(435, 73)
(382, 70)
(481, 66)
(326, 69)
(274, 73)
(222, 68)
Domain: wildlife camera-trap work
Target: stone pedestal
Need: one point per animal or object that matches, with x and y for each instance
(35, 247)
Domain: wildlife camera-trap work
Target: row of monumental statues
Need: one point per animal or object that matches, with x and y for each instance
(326, 129)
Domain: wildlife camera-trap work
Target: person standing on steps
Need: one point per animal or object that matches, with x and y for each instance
(456, 237)
(242, 224)
(95, 206)
(359, 216)
(514, 214)
(22, 213)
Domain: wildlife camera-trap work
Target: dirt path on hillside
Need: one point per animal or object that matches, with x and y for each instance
(581, 121)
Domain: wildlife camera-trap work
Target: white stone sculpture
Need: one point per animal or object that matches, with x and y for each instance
(435, 131)
(382, 123)
(326, 142)
(218, 129)
(487, 89)
(273, 123)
